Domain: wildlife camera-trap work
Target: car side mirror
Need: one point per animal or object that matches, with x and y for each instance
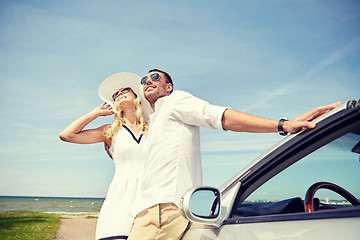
(205, 203)
(202, 205)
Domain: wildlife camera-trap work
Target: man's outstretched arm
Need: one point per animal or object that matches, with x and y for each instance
(236, 121)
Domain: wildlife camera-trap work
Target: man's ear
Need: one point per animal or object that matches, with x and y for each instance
(169, 87)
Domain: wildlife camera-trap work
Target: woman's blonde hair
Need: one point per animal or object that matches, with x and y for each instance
(119, 119)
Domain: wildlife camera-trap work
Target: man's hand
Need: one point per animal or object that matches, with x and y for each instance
(303, 121)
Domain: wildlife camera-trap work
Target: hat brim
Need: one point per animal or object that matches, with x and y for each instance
(121, 80)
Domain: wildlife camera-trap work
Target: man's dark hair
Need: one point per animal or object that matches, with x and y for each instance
(166, 75)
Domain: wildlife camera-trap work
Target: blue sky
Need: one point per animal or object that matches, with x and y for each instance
(271, 58)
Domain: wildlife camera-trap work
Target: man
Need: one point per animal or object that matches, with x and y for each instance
(173, 162)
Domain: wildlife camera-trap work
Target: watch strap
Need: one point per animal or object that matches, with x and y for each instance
(280, 126)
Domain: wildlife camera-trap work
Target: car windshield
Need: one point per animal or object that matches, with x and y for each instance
(337, 162)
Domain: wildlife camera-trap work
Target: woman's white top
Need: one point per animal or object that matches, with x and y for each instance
(128, 155)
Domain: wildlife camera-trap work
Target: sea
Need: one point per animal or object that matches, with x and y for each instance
(50, 204)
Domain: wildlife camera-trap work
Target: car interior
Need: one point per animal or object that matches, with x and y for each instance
(325, 179)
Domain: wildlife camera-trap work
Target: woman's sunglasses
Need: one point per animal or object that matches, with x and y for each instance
(153, 77)
(120, 92)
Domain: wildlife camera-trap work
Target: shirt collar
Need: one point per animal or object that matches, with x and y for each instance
(160, 102)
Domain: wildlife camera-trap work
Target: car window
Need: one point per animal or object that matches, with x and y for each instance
(337, 162)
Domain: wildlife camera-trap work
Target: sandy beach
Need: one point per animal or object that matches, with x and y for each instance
(77, 226)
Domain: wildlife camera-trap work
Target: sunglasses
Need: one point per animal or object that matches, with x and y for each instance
(120, 92)
(153, 77)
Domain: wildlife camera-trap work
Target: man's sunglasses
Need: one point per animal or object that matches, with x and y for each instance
(120, 92)
(153, 77)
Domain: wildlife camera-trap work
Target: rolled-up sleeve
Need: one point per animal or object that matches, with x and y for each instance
(194, 111)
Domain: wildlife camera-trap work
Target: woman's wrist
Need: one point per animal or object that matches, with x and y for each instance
(94, 114)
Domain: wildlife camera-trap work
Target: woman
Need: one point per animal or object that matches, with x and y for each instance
(125, 137)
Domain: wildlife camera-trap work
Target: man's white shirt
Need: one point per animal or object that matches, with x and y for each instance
(173, 162)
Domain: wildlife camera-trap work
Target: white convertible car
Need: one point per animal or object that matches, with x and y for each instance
(305, 187)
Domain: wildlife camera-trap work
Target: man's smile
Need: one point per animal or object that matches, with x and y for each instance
(149, 87)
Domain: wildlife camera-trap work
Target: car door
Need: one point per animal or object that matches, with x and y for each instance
(274, 208)
(271, 200)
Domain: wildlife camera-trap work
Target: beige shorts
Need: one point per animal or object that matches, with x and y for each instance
(161, 222)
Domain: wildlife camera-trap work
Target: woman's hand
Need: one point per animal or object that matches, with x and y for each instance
(103, 110)
(74, 132)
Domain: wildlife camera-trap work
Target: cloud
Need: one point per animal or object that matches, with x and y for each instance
(24, 128)
(338, 55)
(268, 96)
(306, 80)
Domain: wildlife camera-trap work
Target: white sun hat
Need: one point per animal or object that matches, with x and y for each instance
(122, 80)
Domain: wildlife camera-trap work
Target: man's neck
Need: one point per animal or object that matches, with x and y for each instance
(153, 101)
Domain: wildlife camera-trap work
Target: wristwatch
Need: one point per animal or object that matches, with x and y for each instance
(280, 126)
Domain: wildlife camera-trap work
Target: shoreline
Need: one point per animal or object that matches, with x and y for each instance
(63, 213)
(76, 214)
(51, 204)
